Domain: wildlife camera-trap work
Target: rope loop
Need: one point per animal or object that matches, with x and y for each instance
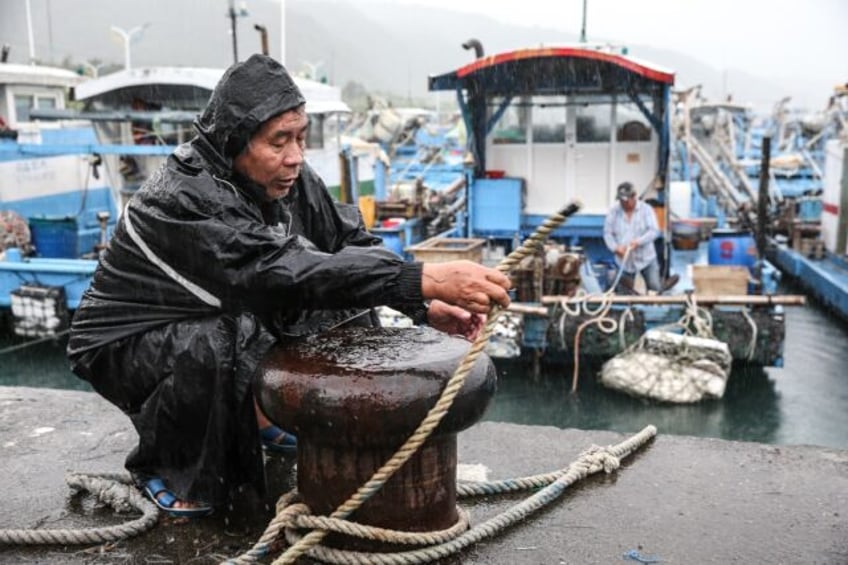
(115, 490)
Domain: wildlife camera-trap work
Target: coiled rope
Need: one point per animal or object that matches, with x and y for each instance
(288, 512)
(116, 490)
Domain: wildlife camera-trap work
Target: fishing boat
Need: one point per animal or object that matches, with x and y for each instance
(123, 126)
(808, 235)
(551, 125)
(55, 201)
(417, 195)
(148, 111)
(46, 168)
(722, 158)
(814, 254)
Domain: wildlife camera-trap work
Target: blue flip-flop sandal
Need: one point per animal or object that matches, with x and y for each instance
(276, 440)
(165, 500)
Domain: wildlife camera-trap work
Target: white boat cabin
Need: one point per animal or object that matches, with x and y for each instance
(24, 88)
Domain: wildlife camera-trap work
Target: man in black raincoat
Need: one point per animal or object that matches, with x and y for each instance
(232, 245)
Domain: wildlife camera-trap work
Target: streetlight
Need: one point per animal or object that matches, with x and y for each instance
(95, 69)
(312, 69)
(128, 37)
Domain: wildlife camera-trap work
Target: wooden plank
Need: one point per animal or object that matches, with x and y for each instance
(703, 300)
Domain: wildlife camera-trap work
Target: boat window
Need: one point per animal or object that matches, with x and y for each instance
(631, 124)
(315, 135)
(549, 119)
(46, 103)
(593, 123)
(23, 104)
(512, 127)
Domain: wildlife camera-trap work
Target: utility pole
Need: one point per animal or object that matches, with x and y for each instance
(234, 14)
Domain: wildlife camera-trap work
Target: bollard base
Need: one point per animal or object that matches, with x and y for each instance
(419, 497)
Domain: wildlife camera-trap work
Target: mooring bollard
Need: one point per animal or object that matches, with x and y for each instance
(353, 396)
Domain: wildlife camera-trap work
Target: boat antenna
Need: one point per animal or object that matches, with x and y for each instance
(476, 45)
(583, 27)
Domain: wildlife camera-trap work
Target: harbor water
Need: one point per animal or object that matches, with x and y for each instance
(803, 403)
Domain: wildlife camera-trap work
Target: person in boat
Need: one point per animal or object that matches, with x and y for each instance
(232, 246)
(630, 229)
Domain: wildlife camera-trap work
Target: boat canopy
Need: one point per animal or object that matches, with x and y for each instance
(38, 75)
(185, 88)
(586, 75)
(556, 70)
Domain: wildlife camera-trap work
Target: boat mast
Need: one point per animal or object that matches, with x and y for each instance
(29, 33)
(583, 27)
(283, 32)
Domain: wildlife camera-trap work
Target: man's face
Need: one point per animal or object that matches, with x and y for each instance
(274, 154)
(628, 203)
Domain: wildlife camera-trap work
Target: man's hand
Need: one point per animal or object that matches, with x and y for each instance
(621, 250)
(466, 284)
(454, 320)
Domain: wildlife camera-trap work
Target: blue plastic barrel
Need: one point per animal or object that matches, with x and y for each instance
(55, 237)
(732, 247)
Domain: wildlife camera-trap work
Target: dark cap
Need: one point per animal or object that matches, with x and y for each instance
(625, 191)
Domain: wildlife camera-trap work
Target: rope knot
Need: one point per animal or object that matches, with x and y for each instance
(598, 457)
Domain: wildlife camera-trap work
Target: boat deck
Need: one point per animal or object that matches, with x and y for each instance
(826, 279)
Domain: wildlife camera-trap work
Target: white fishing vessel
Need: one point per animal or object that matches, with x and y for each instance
(148, 111)
(48, 171)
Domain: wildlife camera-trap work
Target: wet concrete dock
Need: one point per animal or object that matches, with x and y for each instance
(679, 499)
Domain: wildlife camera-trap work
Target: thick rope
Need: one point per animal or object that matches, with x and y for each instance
(552, 485)
(430, 422)
(599, 317)
(752, 344)
(116, 490)
(697, 320)
(32, 342)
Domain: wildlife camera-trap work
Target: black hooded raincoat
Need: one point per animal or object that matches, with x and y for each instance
(203, 275)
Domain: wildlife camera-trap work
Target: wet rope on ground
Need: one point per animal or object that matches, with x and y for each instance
(430, 422)
(439, 545)
(116, 490)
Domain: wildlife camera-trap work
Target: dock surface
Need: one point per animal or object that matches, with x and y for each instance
(678, 500)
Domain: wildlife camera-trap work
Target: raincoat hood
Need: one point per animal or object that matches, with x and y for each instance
(234, 113)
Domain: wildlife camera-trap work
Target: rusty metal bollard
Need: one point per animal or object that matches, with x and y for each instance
(353, 396)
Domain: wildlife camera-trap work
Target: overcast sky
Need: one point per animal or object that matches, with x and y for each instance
(781, 38)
